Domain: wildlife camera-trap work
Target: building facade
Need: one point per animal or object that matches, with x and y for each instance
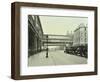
(80, 36)
(35, 34)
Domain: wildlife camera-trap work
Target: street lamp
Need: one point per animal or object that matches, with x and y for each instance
(47, 47)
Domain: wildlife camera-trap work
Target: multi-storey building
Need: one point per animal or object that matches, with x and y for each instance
(35, 34)
(80, 36)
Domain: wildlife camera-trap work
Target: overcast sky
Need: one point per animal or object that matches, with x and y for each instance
(60, 25)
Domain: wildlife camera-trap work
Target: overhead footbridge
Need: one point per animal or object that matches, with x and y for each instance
(56, 40)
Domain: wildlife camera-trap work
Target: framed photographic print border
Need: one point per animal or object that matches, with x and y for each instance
(15, 39)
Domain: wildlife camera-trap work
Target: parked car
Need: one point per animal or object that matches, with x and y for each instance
(77, 50)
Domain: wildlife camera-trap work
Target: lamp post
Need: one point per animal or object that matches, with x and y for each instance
(47, 47)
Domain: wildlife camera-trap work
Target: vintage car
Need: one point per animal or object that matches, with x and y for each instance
(77, 50)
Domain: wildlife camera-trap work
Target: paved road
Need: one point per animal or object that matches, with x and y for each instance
(55, 58)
